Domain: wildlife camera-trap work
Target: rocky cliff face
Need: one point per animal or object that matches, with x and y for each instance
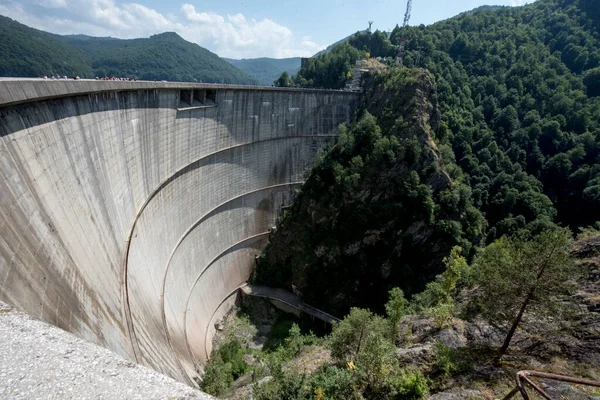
(368, 217)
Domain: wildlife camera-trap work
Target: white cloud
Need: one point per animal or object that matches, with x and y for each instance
(52, 3)
(190, 14)
(232, 36)
(516, 3)
(237, 37)
(155, 19)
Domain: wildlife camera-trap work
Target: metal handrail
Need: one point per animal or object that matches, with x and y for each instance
(522, 379)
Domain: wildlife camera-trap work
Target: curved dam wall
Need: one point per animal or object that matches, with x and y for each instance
(131, 212)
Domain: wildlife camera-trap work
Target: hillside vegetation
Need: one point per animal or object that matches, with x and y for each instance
(519, 109)
(371, 212)
(441, 223)
(459, 185)
(27, 52)
(331, 46)
(519, 126)
(443, 343)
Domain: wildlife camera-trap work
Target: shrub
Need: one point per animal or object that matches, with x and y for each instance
(296, 341)
(226, 366)
(233, 353)
(289, 386)
(331, 382)
(441, 314)
(443, 289)
(217, 378)
(395, 308)
(377, 365)
(412, 385)
(447, 360)
(349, 336)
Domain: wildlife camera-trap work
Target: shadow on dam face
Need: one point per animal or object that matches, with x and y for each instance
(130, 220)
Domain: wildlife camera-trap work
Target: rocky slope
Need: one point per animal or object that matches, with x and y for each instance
(458, 355)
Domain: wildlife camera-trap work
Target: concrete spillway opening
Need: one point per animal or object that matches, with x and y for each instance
(131, 213)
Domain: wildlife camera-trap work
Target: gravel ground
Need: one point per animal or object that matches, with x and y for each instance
(40, 361)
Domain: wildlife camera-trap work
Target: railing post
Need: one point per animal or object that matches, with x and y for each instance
(522, 377)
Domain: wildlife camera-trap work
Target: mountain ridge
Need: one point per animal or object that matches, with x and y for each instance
(29, 52)
(266, 69)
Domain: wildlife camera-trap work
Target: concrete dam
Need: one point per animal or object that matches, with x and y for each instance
(131, 212)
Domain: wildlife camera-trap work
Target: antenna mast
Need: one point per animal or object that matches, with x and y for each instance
(404, 38)
(407, 14)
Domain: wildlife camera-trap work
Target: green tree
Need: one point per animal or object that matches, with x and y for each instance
(329, 70)
(442, 290)
(225, 367)
(395, 308)
(377, 366)
(283, 386)
(349, 336)
(411, 385)
(332, 382)
(284, 80)
(523, 273)
(592, 81)
(375, 44)
(217, 378)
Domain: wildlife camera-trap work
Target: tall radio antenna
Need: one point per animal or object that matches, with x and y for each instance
(403, 39)
(407, 14)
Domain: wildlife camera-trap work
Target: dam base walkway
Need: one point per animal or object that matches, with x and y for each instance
(289, 299)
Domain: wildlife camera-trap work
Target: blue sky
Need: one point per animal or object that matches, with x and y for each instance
(234, 28)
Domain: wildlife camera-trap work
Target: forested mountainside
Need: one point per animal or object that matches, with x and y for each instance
(266, 70)
(520, 109)
(485, 8)
(332, 46)
(380, 210)
(519, 101)
(160, 57)
(28, 52)
(372, 211)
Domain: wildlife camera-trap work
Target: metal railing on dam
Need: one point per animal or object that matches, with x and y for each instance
(130, 212)
(288, 298)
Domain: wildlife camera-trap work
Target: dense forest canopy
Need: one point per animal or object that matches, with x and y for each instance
(27, 52)
(378, 209)
(519, 103)
(519, 93)
(329, 70)
(32, 53)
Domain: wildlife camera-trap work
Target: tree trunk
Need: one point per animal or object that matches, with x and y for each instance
(517, 320)
(515, 324)
(362, 331)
